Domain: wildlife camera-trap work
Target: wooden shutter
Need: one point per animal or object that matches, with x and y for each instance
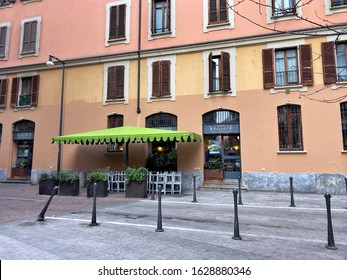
(119, 82)
(224, 9)
(212, 12)
(329, 65)
(168, 15)
(268, 69)
(29, 36)
(35, 90)
(156, 78)
(153, 17)
(115, 82)
(3, 92)
(225, 73)
(165, 78)
(111, 82)
(121, 22)
(210, 73)
(3, 36)
(306, 65)
(113, 22)
(14, 92)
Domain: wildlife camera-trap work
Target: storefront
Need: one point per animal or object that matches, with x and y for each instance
(221, 130)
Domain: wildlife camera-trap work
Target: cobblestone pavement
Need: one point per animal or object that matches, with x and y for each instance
(126, 229)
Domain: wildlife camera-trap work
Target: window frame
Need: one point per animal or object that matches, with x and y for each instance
(115, 147)
(121, 39)
(270, 18)
(165, 16)
(286, 58)
(7, 5)
(17, 91)
(172, 21)
(6, 25)
(210, 27)
(284, 13)
(35, 50)
(331, 9)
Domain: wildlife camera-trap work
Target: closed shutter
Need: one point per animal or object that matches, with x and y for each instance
(117, 22)
(122, 15)
(120, 82)
(113, 22)
(156, 78)
(268, 69)
(35, 90)
(165, 78)
(29, 37)
(3, 92)
(306, 65)
(224, 9)
(212, 12)
(14, 92)
(111, 83)
(329, 65)
(115, 82)
(3, 36)
(210, 73)
(225, 73)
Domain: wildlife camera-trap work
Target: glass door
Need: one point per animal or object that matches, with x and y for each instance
(231, 156)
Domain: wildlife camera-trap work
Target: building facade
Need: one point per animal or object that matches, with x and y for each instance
(263, 83)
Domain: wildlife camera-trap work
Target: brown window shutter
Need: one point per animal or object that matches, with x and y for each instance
(29, 36)
(35, 90)
(122, 17)
(14, 92)
(113, 22)
(224, 9)
(111, 83)
(3, 36)
(306, 65)
(165, 78)
(3, 92)
(119, 82)
(153, 17)
(168, 15)
(329, 65)
(210, 74)
(225, 75)
(212, 12)
(268, 69)
(156, 85)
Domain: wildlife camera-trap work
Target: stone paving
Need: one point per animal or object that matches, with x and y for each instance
(126, 229)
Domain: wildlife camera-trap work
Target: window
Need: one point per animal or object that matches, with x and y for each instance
(219, 72)
(289, 128)
(338, 3)
(161, 78)
(334, 58)
(283, 7)
(285, 67)
(4, 40)
(115, 85)
(112, 122)
(6, 2)
(218, 11)
(343, 107)
(3, 92)
(117, 26)
(161, 16)
(25, 91)
(30, 36)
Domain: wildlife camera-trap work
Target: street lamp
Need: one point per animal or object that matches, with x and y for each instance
(50, 62)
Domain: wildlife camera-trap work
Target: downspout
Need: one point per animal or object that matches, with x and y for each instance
(139, 60)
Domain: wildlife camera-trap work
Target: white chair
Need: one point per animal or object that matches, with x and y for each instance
(112, 187)
(177, 183)
(169, 182)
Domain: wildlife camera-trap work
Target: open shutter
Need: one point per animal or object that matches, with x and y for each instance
(153, 18)
(122, 16)
(168, 15)
(329, 65)
(14, 92)
(210, 73)
(268, 69)
(306, 65)
(156, 78)
(35, 90)
(3, 92)
(225, 73)
(165, 78)
(212, 12)
(119, 82)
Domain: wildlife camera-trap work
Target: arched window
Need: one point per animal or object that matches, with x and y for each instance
(290, 128)
(162, 121)
(343, 107)
(113, 121)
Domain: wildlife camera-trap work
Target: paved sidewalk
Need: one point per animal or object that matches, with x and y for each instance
(269, 228)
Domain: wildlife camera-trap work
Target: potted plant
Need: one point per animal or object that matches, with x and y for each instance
(213, 169)
(47, 182)
(21, 168)
(100, 178)
(162, 161)
(136, 182)
(69, 184)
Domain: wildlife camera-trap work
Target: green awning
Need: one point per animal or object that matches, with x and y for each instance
(126, 134)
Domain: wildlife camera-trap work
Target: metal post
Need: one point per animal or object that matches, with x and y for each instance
(240, 197)
(331, 243)
(194, 188)
(41, 216)
(236, 218)
(291, 193)
(346, 184)
(152, 190)
(93, 223)
(159, 220)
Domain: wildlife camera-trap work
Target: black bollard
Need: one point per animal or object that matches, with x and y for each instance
(194, 188)
(240, 197)
(41, 216)
(159, 220)
(152, 190)
(93, 223)
(236, 218)
(331, 242)
(291, 193)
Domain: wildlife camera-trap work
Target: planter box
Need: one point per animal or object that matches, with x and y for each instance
(213, 174)
(69, 189)
(19, 172)
(101, 189)
(136, 190)
(46, 186)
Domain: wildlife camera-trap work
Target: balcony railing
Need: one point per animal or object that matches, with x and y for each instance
(287, 78)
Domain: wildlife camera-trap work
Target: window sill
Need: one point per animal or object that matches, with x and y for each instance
(168, 34)
(288, 89)
(161, 98)
(217, 25)
(114, 101)
(116, 41)
(24, 108)
(344, 152)
(219, 94)
(342, 84)
(30, 1)
(291, 152)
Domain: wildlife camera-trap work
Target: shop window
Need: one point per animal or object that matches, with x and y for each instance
(112, 122)
(290, 128)
(25, 91)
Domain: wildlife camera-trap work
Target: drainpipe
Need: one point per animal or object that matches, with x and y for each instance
(139, 60)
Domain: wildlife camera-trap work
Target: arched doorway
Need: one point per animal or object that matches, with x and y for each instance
(23, 146)
(221, 130)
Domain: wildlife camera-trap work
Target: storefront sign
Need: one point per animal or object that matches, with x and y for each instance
(222, 129)
(23, 135)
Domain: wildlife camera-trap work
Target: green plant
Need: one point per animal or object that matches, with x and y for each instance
(46, 176)
(98, 175)
(162, 161)
(214, 164)
(136, 174)
(21, 163)
(67, 177)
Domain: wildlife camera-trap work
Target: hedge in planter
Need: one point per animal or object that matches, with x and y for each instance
(213, 169)
(47, 183)
(69, 184)
(99, 177)
(136, 182)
